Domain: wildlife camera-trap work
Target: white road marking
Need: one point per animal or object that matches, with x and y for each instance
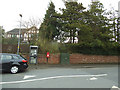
(115, 88)
(28, 76)
(93, 78)
(55, 77)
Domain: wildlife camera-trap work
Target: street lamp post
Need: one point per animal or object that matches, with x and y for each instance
(19, 34)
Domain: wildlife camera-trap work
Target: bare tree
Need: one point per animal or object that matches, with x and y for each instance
(31, 22)
(28, 25)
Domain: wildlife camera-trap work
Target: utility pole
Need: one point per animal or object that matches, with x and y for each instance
(19, 34)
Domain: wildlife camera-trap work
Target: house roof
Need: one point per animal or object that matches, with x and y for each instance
(16, 31)
(23, 30)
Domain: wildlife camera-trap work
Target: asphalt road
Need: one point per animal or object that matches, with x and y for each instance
(99, 76)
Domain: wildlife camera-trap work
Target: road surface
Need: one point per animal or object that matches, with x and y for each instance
(105, 76)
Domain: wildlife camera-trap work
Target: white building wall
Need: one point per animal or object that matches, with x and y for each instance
(119, 9)
(95, 0)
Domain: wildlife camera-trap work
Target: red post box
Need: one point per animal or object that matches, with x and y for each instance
(48, 55)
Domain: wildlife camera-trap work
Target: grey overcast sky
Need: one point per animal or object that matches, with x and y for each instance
(10, 10)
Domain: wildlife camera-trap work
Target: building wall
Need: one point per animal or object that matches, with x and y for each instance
(119, 9)
(94, 0)
(26, 34)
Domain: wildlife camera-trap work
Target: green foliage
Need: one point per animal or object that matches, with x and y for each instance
(12, 40)
(48, 31)
(34, 39)
(85, 35)
(46, 46)
(2, 33)
(91, 27)
(49, 25)
(72, 19)
(94, 50)
(99, 23)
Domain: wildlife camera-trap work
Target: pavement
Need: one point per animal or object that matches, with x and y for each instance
(44, 66)
(64, 76)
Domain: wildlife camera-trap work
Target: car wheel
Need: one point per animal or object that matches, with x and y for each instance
(14, 69)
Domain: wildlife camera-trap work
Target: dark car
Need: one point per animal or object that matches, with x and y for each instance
(12, 62)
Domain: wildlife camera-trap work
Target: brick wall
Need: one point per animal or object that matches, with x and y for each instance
(80, 58)
(54, 59)
(76, 59)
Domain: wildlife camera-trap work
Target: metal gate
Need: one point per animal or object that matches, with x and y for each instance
(64, 58)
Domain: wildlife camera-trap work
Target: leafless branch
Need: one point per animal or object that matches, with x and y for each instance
(31, 22)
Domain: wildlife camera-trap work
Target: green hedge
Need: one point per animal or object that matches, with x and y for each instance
(88, 49)
(111, 49)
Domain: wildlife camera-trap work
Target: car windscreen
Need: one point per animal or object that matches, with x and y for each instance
(22, 57)
(16, 57)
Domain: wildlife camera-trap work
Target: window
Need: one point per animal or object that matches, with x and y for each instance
(6, 57)
(25, 35)
(8, 35)
(16, 57)
(29, 35)
(17, 36)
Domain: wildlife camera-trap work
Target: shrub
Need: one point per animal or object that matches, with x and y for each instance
(88, 49)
